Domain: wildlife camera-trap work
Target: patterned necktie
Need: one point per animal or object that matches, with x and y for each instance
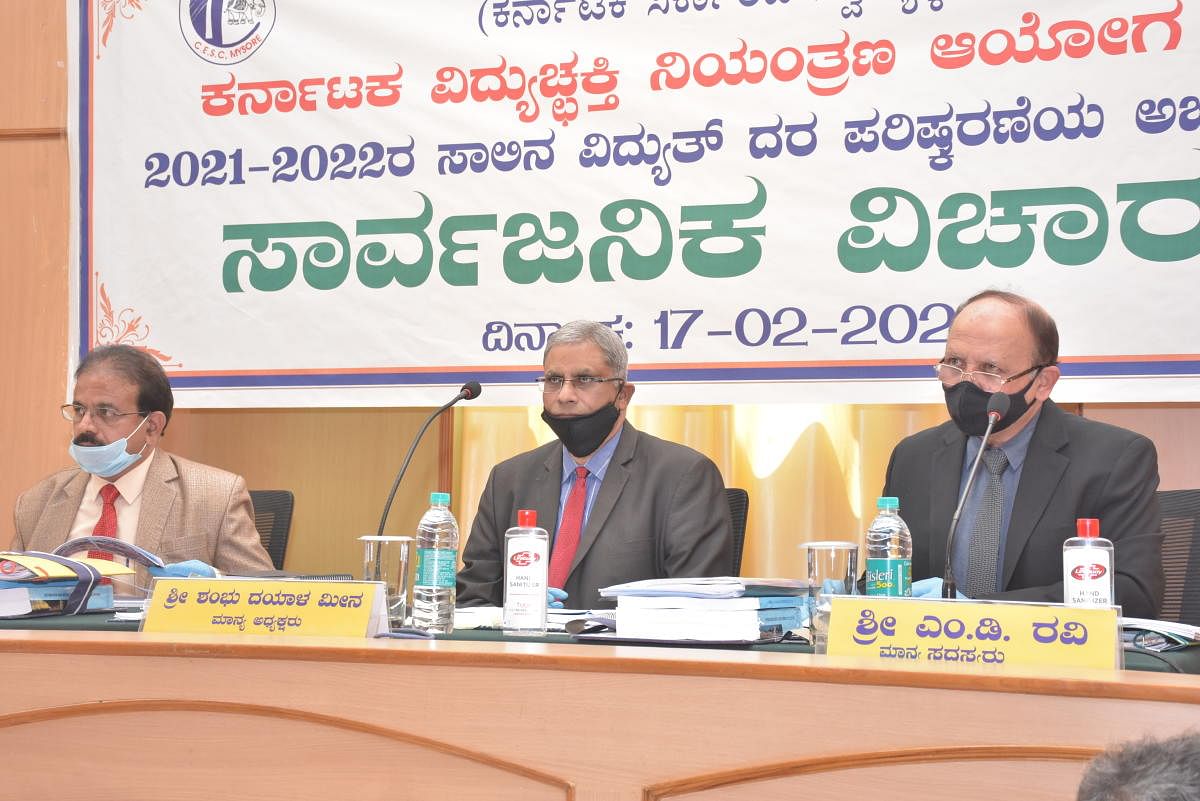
(985, 540)
(106, 526)
(567, 541)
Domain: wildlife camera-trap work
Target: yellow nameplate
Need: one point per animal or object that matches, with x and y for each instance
(265, 606)
(973, 635)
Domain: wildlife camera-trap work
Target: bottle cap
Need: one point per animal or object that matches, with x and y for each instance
(527, 518)
(1087, 527)
(439, 499)
(888, 502)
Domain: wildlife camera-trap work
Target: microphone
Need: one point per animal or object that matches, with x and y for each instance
(469, 391)
(997, 407)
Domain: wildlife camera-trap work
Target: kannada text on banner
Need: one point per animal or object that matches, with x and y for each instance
(295, 207)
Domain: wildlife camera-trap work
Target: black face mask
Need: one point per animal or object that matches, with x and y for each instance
(581, 436)
(968, 407)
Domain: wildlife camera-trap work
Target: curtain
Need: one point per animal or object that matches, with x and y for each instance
(813, 471)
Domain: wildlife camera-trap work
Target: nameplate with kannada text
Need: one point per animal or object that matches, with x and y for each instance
(974, 635)
(276, 607)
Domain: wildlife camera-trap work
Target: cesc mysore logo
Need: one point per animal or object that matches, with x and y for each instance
(226, 31)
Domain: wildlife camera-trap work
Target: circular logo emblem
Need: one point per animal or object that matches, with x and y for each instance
(1087, 572)
(226, 31)
(524, 558)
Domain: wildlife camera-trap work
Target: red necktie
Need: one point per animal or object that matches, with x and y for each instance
(106, 526)
(567, 541)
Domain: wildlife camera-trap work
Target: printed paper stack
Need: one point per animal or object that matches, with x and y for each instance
(725, 609)
(35, 585)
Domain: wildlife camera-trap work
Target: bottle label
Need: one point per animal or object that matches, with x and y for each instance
(436, 567)
(1086, 577)
(889, 577)
(525, 568)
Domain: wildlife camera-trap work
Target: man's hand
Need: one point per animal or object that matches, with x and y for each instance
(932, 588)
(555, 598)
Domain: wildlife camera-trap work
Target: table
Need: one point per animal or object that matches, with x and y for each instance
(1186, 661)
(137, 715)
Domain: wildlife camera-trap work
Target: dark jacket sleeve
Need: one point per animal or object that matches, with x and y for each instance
(480, 581)
(697, 539)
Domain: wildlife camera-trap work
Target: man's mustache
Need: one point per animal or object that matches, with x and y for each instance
(87, 439)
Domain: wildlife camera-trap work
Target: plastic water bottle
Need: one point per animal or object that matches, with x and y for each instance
(526, 560)
(889, 551)
(437, 562)
(1088, 566)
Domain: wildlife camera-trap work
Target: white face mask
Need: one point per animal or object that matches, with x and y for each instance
(107, 460)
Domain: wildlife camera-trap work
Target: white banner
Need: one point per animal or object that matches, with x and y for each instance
(368, 203)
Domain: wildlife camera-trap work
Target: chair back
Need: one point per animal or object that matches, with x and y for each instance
(739, 505)
(273, 519)
(1181, 555)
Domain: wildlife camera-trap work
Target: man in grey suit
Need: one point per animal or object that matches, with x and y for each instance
(621, 504)
(125, 486)
(1056, 467)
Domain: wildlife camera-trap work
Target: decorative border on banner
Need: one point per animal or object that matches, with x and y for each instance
(86, 34)
(1092, 367)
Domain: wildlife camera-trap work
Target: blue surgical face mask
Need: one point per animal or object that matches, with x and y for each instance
(107, 460)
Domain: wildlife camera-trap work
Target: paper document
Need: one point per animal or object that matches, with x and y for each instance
(1157, 635)
(715, 587)
(492, 617)
(15, 602)
(1163, 626)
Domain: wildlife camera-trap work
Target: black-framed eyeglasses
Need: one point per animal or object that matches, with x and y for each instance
(950, 375)
(75, 412)
(550, 384)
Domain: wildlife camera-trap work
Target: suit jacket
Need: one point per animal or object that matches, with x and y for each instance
(1074, 468)
(660, 512)
(189, 511)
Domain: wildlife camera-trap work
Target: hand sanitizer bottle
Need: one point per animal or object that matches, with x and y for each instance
(526, 561)
(1088, 578)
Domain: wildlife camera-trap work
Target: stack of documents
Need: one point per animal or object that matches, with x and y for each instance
(666, 617)
(1158, 635)
(715, 587)
(35, 585)
(725, 609)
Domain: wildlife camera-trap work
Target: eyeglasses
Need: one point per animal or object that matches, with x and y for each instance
(582, 384)
(950, 375)
(75, 412)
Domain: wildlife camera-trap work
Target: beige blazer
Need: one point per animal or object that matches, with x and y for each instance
(189, 511)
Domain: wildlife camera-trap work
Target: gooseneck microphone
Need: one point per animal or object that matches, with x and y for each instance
(997, 407)
(469, 391)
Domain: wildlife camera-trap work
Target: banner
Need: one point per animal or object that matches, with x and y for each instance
(363, 203)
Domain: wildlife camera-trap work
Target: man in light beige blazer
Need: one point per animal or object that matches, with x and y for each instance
(170, 506)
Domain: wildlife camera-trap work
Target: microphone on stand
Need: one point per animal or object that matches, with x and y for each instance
(997, 407)
(469, 391)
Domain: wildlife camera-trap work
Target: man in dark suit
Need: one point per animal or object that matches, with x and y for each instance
(621, 504)
(1056, 467)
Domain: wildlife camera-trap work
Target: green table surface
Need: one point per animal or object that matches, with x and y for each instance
(1183, 661)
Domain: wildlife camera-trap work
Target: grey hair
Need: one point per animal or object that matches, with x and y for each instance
(588, 331)
(1145, 770)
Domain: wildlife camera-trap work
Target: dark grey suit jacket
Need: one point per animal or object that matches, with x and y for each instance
(1074, 468)
(660, 513)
